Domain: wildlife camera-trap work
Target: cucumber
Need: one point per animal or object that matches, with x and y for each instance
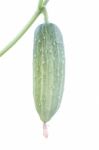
(48, 70)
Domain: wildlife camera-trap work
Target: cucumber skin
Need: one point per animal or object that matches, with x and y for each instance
(48, 70)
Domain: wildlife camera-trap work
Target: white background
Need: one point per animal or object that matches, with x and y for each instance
(76, 125)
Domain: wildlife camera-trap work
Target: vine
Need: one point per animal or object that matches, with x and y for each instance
(40, 9)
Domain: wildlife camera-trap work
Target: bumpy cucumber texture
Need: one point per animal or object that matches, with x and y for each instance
(48, 70)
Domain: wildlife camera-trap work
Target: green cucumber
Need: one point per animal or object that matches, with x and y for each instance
(48, 70)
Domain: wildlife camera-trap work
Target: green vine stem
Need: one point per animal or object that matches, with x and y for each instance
(39, 10)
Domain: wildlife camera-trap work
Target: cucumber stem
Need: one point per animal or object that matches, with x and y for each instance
(40, 4)
(25, 28)
(45, 130)
(45, 15)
